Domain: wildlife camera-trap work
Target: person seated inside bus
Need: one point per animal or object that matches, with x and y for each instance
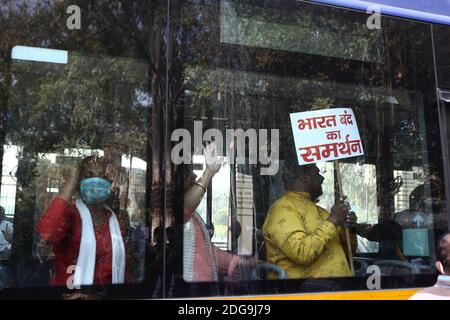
(388, 235)
(428, 201)
(88, 238)
(302, 238)
(204, 262)
(441, 290)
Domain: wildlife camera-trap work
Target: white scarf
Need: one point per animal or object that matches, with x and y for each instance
(84, 272)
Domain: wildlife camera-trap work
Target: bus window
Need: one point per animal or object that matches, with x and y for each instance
(249, 68)
(147, 149)
(60, 116)
(76, 130)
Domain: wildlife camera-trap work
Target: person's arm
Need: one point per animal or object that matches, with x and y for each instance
(194, 195)
(71, 185)
(227, 263)
(289, 234)
(55, 222)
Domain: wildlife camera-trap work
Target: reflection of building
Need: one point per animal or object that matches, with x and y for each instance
(9, 183)
(410, 179)
(136, 195)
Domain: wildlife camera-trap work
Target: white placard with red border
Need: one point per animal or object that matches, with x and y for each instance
(326, 135)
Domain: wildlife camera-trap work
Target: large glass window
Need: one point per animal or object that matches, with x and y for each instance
(150, 144)
(59, 115)
(249, 66)
(81, 99)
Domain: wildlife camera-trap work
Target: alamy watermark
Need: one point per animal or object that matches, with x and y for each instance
(73, 22)
(70, 283)
(374, 280)
(259, 149)
(374, 21)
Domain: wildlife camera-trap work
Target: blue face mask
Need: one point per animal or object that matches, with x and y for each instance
(95, 190)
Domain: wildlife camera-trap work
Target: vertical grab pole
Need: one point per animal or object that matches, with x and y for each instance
(347, 232)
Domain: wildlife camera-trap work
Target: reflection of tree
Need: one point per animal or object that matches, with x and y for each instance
(89, 103)
(97, 101)
(127, 102)
(359, 183)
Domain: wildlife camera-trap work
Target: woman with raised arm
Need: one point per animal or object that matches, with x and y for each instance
(202, 260)
(87, 236)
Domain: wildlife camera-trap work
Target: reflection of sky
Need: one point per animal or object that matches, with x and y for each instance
(40, 54)
(441, 7)
(434, 11)
(134, 163)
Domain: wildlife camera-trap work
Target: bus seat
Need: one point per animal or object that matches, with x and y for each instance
(396, 267)
(361, 265)
(260, 271)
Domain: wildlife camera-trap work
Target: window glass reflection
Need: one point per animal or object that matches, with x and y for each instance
(77, 224)
(259, 77)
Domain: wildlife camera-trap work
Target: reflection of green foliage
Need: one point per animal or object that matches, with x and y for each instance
(359, 183)
(220, 233)
(305, 32)
(220, 221)
(88, 103)
(96, 101)
(322, 103)
(256, 77)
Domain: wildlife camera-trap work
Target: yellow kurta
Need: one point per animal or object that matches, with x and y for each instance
(300, 240)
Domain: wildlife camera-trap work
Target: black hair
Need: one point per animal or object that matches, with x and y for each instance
(87, 161)
(292, 171)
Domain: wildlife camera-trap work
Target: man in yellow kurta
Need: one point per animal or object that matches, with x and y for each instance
(301, 237)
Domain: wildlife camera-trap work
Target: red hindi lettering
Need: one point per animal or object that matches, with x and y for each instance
(355, 146)
(344, 147)
(346, 119)
(333, 135)
(309, 152)
(328, 149)
(302, 124)
(331, 121)
(321, 122)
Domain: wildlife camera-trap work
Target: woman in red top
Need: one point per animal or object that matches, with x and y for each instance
(86, 235)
